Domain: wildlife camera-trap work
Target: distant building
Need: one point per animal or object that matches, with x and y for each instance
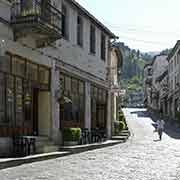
(174, 80)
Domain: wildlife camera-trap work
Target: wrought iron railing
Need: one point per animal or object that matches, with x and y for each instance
(42, 10)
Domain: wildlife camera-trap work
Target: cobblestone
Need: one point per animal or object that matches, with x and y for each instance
(141, 158)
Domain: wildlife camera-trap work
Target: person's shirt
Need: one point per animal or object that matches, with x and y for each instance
(160, 124)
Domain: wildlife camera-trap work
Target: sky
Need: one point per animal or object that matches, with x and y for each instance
(147, 25)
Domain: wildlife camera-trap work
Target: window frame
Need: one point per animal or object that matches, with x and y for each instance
(80, 37)
(103, 46)
(92, 43)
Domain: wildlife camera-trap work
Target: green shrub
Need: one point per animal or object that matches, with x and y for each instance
(118, 127)
(71, 134)
(121, 125)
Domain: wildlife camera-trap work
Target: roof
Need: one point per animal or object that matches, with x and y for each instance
(92, 18)
(158, 56)
(173, 50)
(161, 77)
(148, 64)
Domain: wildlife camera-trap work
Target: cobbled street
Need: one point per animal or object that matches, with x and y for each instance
(142, 157)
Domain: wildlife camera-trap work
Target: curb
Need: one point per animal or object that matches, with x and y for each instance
(64, 151)
(84, 148)
(29, 159)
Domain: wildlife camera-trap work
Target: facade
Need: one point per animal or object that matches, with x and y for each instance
(163, 92)
(115, 72)
(159, 65)
(174, 80)
(147, 84)
(54, 70)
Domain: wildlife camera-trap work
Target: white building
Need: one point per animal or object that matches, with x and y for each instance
(51, 52)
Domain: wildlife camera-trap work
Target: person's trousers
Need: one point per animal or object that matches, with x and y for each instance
(160, 131)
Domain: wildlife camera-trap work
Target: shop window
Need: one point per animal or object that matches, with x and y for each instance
(2, 98)
(5, 63)
(68, 83)
(74, 85)
(18, 66)
(10, 99)
(32, 71)
(72, 100)
(81, 87)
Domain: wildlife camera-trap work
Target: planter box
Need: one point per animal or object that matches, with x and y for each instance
(70, 143)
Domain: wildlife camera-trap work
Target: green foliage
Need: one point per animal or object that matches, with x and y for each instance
(71, 134)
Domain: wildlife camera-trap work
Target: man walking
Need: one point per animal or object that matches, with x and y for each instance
(160, 127)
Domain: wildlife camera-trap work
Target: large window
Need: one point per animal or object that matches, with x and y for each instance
(64, 22)
(79, 31)
(72, 101)
(18, 78)
(103, 47)
(92, 39)
(98, 107)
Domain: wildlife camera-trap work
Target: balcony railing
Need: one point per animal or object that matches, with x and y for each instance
(36, 11)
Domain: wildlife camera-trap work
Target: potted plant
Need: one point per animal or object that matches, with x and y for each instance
(71, 136)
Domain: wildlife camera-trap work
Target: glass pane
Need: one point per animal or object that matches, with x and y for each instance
(5, 63)
(43, 75)
(68, 83)
(74, 85)
(81, 87)
(75, 107)
(10, 99)
(18, 66)
(81, 108)
(32, 71)
(95, 92)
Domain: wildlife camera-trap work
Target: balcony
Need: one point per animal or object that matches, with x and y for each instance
(37, 18)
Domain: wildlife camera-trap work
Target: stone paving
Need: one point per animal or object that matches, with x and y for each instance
(142, 157)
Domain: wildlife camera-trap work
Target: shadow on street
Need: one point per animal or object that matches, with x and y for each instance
(171, 128)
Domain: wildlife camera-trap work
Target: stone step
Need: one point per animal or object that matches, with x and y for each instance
(124, 138)
(47, 149)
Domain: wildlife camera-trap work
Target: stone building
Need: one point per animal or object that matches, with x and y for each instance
(147, 84)
(159, 65)
(163, 92)
(174, 80)
(53, 70)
